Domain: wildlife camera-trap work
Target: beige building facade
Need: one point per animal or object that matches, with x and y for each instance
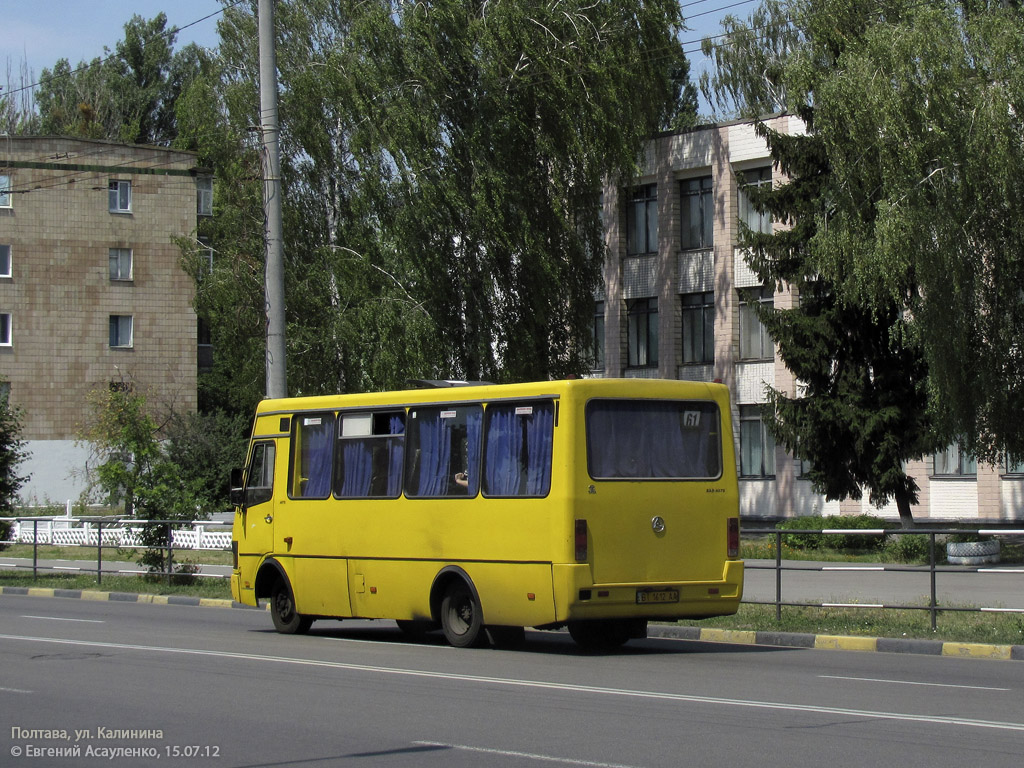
(92, 291)
(672, 307)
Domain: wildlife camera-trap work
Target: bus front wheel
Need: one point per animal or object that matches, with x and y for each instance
(287, 620)
(461, 616)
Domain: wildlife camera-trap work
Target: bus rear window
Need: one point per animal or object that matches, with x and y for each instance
(653, 440)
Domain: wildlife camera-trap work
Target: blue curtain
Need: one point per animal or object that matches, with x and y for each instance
(396, 455)
(504, 446)
(474, 433)
(357, 460)
(317, 442)
(539, 436)
(518, 449)
(435, 453)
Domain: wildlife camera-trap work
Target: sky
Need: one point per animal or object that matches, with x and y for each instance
(39, 32)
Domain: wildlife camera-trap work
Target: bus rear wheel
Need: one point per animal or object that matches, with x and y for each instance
(461, 616)
(287, 620)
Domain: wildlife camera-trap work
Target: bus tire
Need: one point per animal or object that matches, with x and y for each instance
(461, 616)
(602, 635)
(287, 620)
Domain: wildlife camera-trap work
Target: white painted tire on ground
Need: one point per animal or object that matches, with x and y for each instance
(972, 552)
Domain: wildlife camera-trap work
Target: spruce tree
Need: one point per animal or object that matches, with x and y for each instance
(861, 411)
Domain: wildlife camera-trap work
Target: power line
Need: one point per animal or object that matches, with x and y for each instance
(100, 62)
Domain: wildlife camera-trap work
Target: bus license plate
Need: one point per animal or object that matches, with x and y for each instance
(658, 596)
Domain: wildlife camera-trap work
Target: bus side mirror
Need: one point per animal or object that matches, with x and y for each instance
(237, 493)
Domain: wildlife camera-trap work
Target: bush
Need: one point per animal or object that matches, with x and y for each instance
(5, 534)
(811, 541)
(912, 548)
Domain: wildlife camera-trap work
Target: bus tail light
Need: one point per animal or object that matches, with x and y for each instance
(581, 541)
(733, 549)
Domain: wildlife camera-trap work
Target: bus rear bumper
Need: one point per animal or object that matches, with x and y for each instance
(577, 597)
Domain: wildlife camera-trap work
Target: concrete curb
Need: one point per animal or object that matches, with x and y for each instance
(703, 634)
(126, 597)
(842, 643)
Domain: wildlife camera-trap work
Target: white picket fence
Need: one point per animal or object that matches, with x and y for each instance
(73, 532)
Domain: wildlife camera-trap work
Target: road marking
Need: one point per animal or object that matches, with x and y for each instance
(522, 755)
(539, 684)
(57, 618)
(912, 682)
(14, 690)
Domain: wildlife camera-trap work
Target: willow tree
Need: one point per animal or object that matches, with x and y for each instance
(442, 165)
(498, 124)
(918, 109)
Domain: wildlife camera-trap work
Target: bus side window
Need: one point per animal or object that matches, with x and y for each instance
(517, 449)
(259, 486)
(444, 447)
(312, 456)
(370, 454)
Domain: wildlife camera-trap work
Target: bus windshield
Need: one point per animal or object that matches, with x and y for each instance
(653, 440)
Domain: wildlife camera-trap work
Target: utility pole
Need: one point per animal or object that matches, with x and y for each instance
(277, 382)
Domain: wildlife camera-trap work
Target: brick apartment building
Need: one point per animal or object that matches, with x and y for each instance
(671, 309)
(92, 292)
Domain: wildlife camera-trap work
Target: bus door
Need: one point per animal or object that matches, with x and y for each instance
(309, 534)
(254, 524)
(659, 507)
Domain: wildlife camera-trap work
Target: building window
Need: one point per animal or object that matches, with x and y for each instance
(699, 327)
(204, 197)
(642, 333)
(755, 220)
(5, 261)
(697, 211)
(5, 191)
(1014, 465)
(120, 263)
(755, 343)
(5, 329)
(642, 221)
(120, 331)
(120, 196)
(204, 345)
(757, 446)
(955, 462)
(597, 338)
(5, 391)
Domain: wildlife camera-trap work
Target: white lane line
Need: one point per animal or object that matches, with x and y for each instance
(522, 755)
(57, 618)
(14, 690)
(912, 682)
(540, 684)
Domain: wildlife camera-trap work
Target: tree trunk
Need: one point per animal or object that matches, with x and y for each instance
(903, 505)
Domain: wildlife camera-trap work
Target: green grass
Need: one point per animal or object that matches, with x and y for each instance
(48, 552)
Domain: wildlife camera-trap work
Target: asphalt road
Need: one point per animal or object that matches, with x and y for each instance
(219, 686)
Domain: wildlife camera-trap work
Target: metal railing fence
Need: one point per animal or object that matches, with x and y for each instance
(114, 533)
(933, 565)
(118, 533)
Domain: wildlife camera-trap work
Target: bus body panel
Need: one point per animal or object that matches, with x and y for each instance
(517, 594)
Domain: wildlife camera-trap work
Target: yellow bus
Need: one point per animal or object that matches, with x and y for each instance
(596, 504)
